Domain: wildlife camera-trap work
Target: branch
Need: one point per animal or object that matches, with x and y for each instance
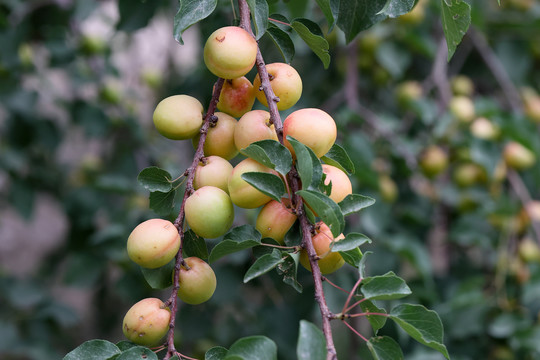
(172, 302)
(307, 244)
(351, 98)
(495, 66)
(439, 74)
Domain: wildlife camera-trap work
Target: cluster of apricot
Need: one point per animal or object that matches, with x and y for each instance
(230, 53)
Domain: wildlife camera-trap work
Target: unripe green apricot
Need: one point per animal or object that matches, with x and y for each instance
(220, 138)
(285, 82)
(466, 175)
(462, 85)
(388, 188)
(531, 212)
(197, 284)
(408, 92)
(462, 108)
(230, 52)
(146, 322)
(237, 97)
(213, 171)
(275, 219)
(313, 128)
(518, 156)
(484, 129)
(341, 185)
(528, 250)
(209, 212)
(531, 103)
(178, 117)
(433, 160)
(328, 261)
(243, 194)
(253, 126)
(153, 243)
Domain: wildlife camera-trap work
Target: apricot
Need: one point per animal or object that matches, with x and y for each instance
(146, 322)
(220, 138)
(230, 52)
(518, 156)
(178, 117)
(213, 171)
(313, 128)
(237, 97)
(341, 185)
(209, 212)
(275, 219)
(243, 194)
(285, 82)
(328, 261)
(197, 284)
(153, 243)
(253, 126)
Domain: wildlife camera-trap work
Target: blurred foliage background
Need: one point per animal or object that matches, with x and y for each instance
(78, 84)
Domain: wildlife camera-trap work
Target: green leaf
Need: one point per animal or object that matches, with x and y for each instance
(422, 324)
(259, 16)
(263, 265)
(357, 15)
(125, 345)
(384, 287)
(377, 322)
(271, 154)
(189, 13)
(326, 9)
(289, 270)
(395, 8)
(338, 157)
(194, 245)
(283, 42)
(155, 179)
(93, 350)
(353, 203)
(384, 348)
(311, 33)
(352, 257)
(351, 241)
(308, 165)
(161, 277)
(293, 237)
(138, 353)
(362, 264)
(253, 348)
(456, 18)
(135, 16)
(269, 184)
(311, 343)
(326, 209)
(162, 203)
(237, 239)
(216, 353)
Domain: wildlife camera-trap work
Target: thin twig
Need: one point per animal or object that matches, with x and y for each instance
(354, 331)
(439, 74)
(351, 294)
(497, 69)
(351, 98)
